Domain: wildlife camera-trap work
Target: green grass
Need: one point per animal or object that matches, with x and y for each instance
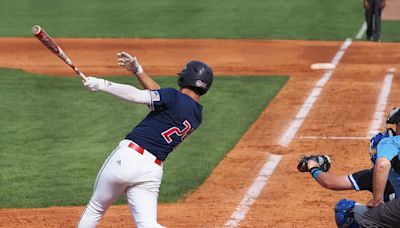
(55, 135)
(273, 19)
(390, 31)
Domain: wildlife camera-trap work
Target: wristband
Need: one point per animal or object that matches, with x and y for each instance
(315, 172)
(138, 69)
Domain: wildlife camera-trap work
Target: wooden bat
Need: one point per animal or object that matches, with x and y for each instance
(47, 41)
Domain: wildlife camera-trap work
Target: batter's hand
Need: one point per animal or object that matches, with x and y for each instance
(95, 84)
(129, 62)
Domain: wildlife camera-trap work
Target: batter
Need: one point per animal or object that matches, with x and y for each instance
(135, 167)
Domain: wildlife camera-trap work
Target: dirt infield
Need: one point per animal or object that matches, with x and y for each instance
(345, 107)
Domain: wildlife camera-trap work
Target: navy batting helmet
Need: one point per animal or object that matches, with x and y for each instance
(197, 76)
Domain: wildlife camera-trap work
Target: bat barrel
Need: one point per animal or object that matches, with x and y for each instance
(48, 42)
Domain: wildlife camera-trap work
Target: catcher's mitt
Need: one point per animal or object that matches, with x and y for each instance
(394, 116)
(324, 162)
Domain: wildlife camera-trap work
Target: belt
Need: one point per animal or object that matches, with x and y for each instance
(141, 151)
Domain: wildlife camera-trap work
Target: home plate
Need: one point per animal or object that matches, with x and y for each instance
(323, 66)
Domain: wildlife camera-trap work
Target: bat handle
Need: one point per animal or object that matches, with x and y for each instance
(83, 76)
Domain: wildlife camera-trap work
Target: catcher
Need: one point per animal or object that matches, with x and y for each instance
(386, 167)
(347, 212)
(318, 166)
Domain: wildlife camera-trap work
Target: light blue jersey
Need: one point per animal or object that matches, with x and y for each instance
(390, 148)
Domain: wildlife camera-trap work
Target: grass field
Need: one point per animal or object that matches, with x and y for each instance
(56, 135)
(273, 19)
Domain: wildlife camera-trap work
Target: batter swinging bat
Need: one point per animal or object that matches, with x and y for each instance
(47, 41)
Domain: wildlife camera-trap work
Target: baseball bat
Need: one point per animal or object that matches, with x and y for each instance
(47, 41)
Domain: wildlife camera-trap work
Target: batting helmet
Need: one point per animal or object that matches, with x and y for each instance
(197, 76)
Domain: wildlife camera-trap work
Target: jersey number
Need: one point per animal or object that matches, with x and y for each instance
(174, 130)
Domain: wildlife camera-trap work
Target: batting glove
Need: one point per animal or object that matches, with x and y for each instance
(95, 84)
(129, 62)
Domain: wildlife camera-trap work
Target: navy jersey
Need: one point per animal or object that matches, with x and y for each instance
(173, 117)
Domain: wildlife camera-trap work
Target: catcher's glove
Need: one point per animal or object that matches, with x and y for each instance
(324, 162)
(394, 116)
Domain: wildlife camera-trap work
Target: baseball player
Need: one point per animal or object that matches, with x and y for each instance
(359, 181)
(373, 11)
(382, 214)
(135, 167)
(349, 214)
(318, 166)
(386, 167)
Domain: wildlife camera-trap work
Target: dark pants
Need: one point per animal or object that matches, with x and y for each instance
(373, 19)
(382, 216)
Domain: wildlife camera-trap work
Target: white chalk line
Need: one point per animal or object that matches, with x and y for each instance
(294, 126)
(379, 112)
(362, 31)
(253, 192)
(382, 102)
(335, 137)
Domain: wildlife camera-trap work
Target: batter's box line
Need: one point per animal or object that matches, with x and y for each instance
(334, 137)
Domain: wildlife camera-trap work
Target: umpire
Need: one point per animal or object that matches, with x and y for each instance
(373, 10)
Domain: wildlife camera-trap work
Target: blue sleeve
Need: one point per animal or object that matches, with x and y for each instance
(163, 99)
(387, 148)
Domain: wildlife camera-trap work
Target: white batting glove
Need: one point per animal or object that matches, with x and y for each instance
(96, 84)
(129, 62)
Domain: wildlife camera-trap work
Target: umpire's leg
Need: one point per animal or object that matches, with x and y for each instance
(369, 19)
(377, 20)
(384, 215)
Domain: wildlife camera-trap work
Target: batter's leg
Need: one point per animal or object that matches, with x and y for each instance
(142, 201)
(384, 215)
(106, 190)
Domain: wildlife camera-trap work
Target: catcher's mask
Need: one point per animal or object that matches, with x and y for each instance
(375, 141)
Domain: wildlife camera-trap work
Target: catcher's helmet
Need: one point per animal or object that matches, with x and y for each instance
(344, 215)
(197, 76)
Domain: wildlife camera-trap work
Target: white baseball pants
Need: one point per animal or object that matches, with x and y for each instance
(136, 175)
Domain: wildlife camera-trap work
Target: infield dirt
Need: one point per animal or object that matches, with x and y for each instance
(345, 107)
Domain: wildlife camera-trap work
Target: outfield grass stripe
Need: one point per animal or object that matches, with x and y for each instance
(272, 19)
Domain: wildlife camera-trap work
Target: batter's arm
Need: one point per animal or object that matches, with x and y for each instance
(122, 91)
(132, 64)
(146, 81)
